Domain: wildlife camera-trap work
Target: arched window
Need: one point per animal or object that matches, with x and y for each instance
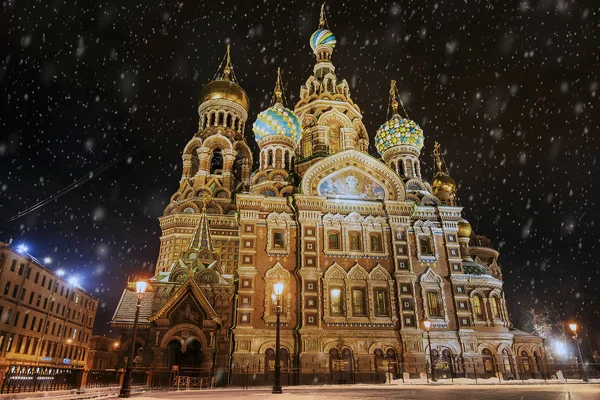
(355, 244)
(376, 243)
(506, 362)
(336, 300)
(495, 306)
(425, 245)
(488, 360)
(269, 158)
(333, 240)
(381, 303)
(525, 361)
(433, 304)
(401, 167)
(358, 302)
(477, 309)
(216, 162)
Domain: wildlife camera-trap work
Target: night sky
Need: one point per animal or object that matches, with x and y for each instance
(510, 90)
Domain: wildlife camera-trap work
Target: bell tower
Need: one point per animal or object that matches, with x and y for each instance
(331, 121)
(217, 163)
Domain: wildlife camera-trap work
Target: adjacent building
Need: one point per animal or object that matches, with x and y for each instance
(44, 319)
(366, 247)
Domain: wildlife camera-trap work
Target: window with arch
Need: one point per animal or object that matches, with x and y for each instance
(278, 240)
(488, 360)
(376, 243)
(425, 246)
(216, 162)
(433, 304)
(401, 168)
(506, 361)
(477, 308)
(355, 242)
(358, 302)
(336, 301)
(381, 303)
(333, 241)
(495, 306)
(525, 361)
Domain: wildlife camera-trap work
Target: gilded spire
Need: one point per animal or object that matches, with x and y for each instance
(201, 239)
(322, 22)
(437, 156)
(278, 91)
(227, 69)
(393, 91)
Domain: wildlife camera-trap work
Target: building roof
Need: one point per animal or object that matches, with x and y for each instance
(125, 312)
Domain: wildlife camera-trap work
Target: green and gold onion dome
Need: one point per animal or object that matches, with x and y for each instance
(399, 131)
(322, 36)
(277, 120)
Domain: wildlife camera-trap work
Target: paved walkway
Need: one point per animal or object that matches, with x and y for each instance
(356, 392)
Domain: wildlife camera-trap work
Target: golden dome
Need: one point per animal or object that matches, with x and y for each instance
(443, 183)
(225, 89)
(464, 228)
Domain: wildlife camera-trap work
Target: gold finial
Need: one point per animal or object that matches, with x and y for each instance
(437, 156)
(322, 18)
(227, 69)
(278, 91)
(393, 91)
(205, 198)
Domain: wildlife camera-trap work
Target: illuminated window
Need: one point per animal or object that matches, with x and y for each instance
(381, 308)
(477, 307)
(278, 240)
(376, 243)
(355, 244)
(334, 241)
(495, 306)
(336, 301)
(358, 302)
(433, 303)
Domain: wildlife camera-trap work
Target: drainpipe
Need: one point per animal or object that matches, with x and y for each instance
(296, 329)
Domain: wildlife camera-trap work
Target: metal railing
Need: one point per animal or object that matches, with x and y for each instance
(22, 379)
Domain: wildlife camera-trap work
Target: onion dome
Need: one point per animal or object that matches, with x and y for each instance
(398, 131)
(225, 88)
(464, 228)
(277, 120)
(322, 36)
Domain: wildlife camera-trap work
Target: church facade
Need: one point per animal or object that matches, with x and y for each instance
(366, 248)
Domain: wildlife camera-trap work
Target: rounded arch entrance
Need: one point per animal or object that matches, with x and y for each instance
(341, 365)
(185, 345)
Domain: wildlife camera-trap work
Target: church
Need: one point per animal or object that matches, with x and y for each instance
(366, 248)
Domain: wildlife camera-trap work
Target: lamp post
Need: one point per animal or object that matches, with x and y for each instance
(140, 288)
(278, 288)
(573, 327)
(427, 326)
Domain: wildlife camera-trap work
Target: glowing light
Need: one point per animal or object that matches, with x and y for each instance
(278, 287)
(140, 287)
(573, 327)
(22, 248)
(60, 272)
(73, 281)
(427, 324)
(47, 260)
(560, 348)
(335, 293)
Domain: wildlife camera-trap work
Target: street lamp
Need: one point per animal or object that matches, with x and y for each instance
(573, 327)
(278, 289)
(427, 326)
(140, 288)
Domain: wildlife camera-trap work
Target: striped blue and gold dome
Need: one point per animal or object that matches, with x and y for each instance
(277, 120)
(399, 131)
(322, 36)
